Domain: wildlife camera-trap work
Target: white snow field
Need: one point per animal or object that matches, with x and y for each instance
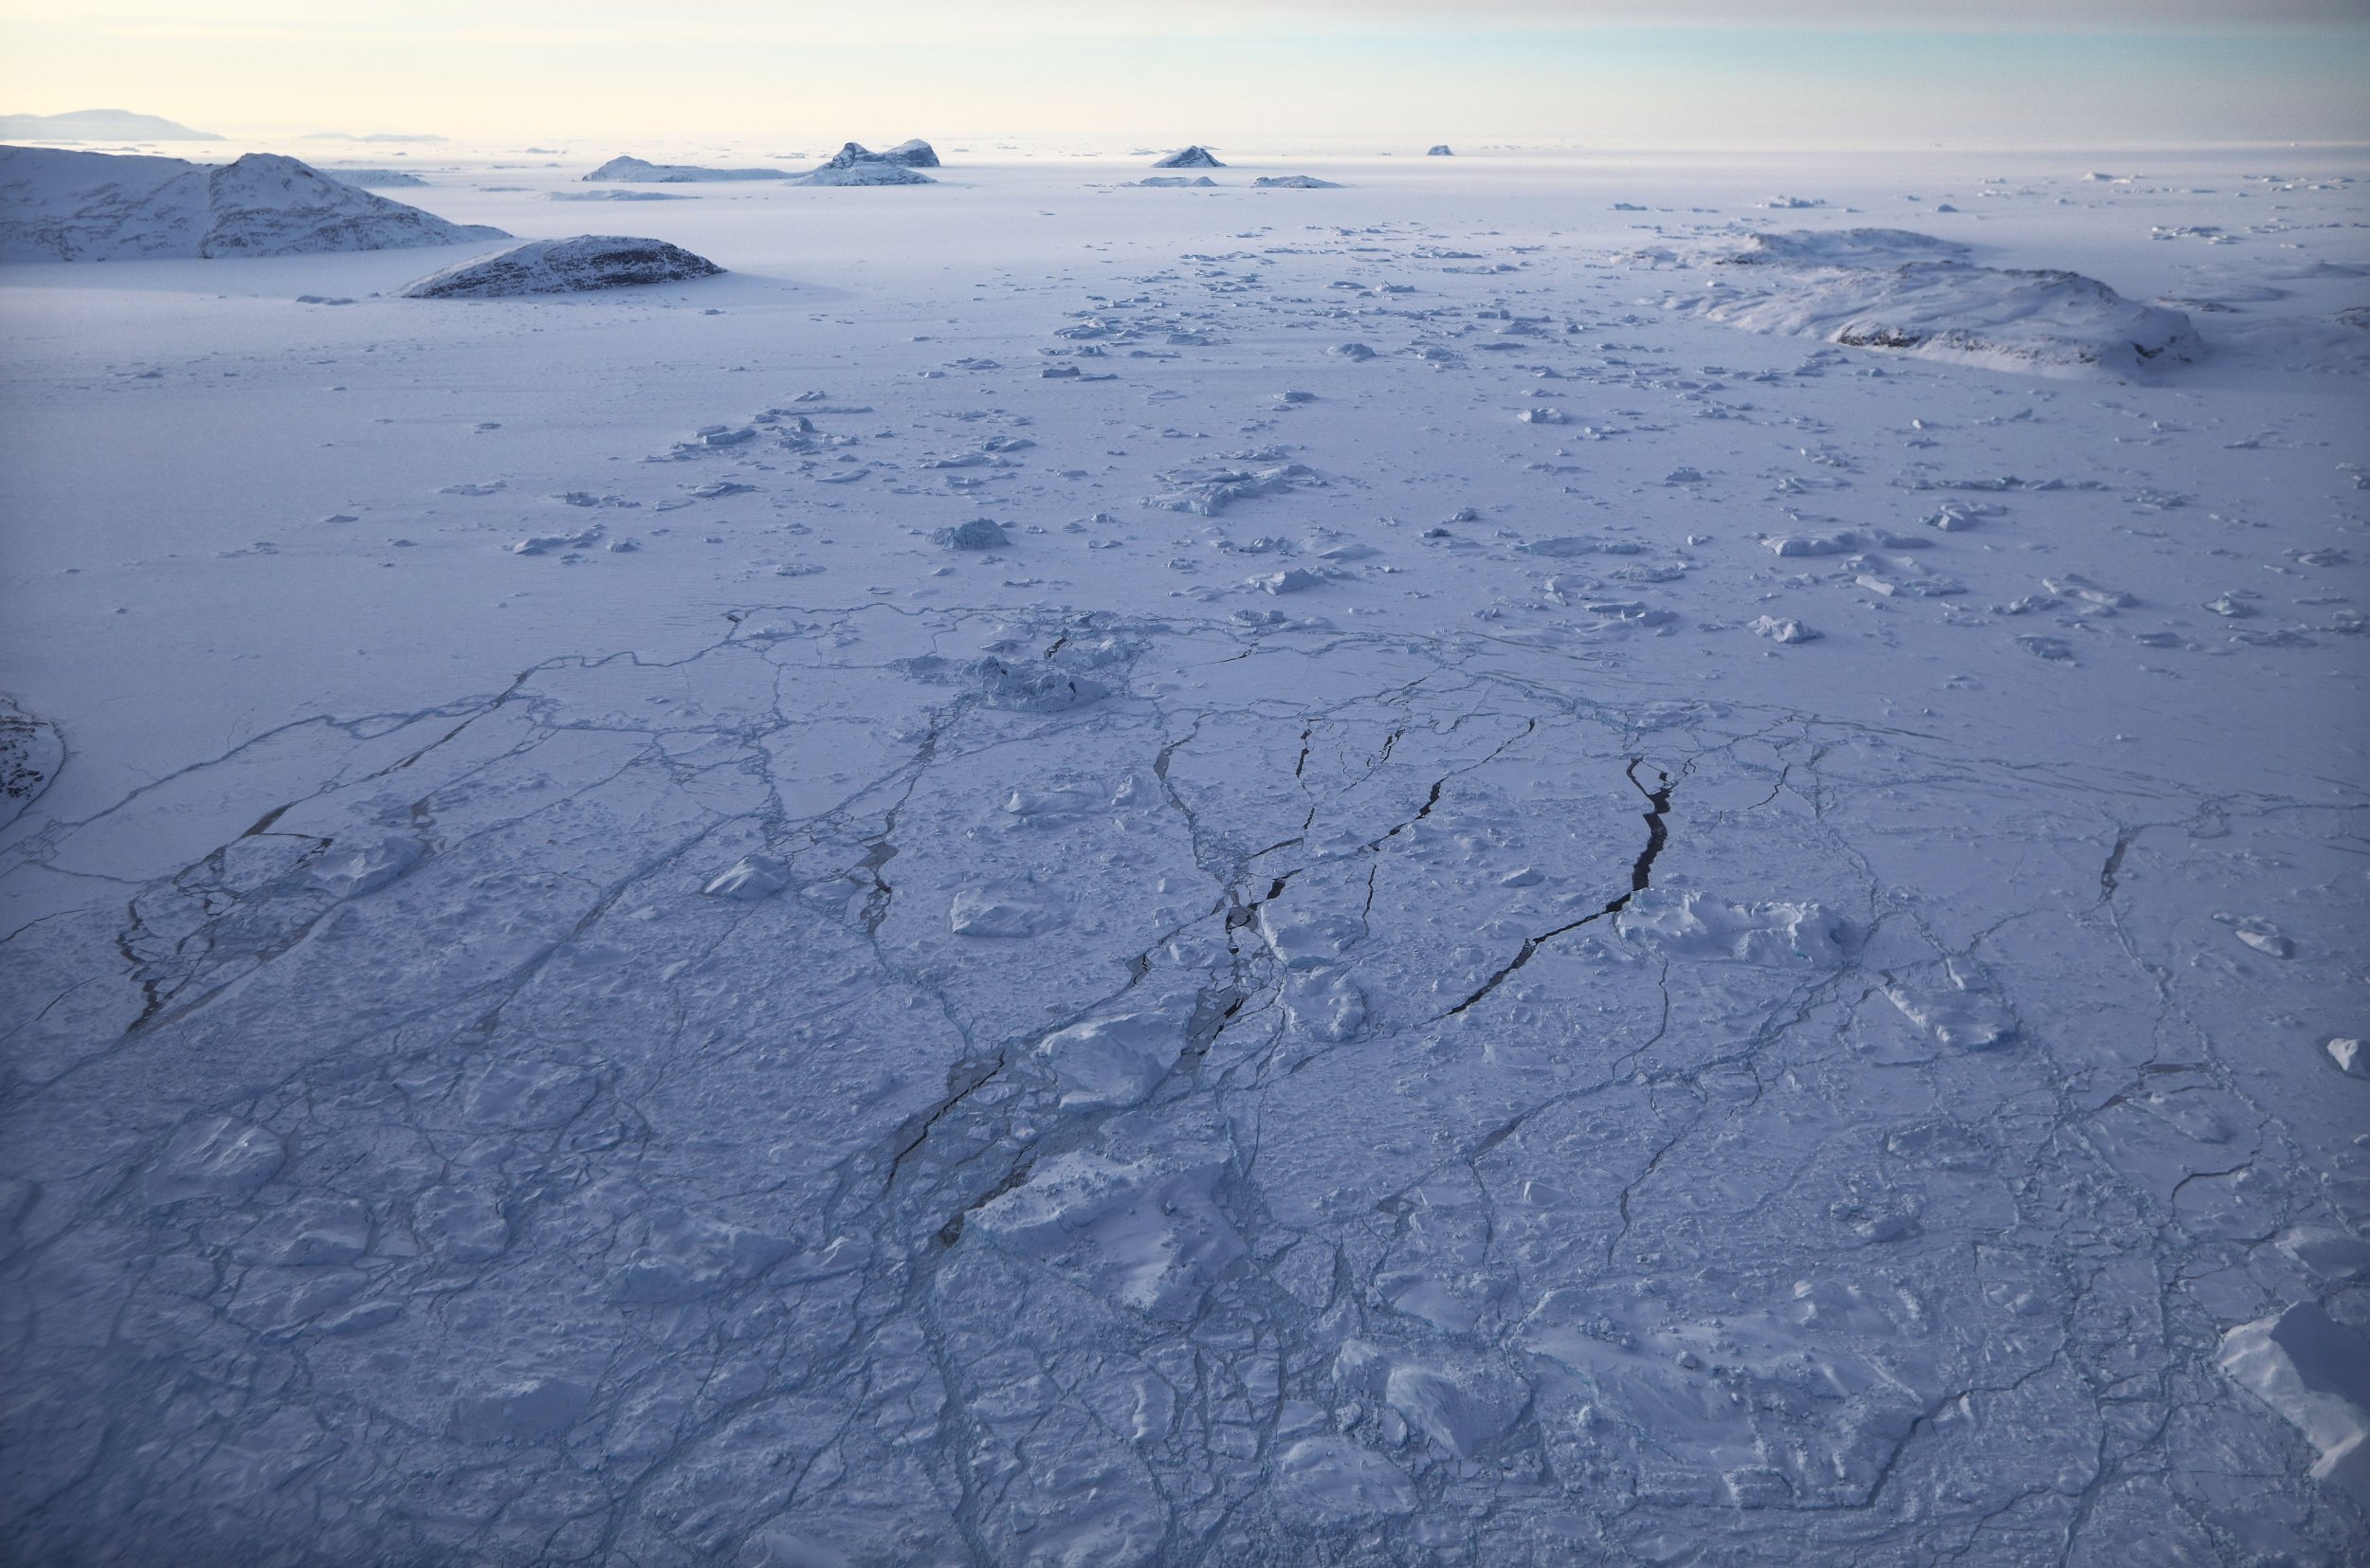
(1066, 874)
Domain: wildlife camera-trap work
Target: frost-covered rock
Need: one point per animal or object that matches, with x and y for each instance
(61, 206)
(642, 172)
(1295, 182)
(1192, 157)
(573, 265)
(910, 155)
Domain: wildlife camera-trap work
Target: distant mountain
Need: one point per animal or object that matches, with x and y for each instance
(61, 206)
(98, 125)
(643, 172)
(1192, 157)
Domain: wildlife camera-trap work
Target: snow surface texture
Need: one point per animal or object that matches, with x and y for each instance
(575, 265)
(642, 172)
(1893, 289)
(57, 205)
(1342, 980)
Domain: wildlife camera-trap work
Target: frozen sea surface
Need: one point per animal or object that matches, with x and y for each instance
(1244, 876)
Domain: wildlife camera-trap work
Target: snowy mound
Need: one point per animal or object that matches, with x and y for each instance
(92, 206)
(642, 172)
(564, 267)
(1296, 182)
(1192, 157)
(1172, 180)
(98, 125)
(873, 172)
(1438, 150)
(1889, 288)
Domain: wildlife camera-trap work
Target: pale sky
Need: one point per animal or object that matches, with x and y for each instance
(1587, 72)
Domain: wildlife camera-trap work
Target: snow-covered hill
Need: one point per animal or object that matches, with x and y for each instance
(61, 206)
(98, 125)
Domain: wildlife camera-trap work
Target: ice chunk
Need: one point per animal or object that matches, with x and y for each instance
(1003, 907)
(2315, 1372)
(349, 868)
(1695, 926)
(1778, 630)
(1959, 1017)
(978, 534)
(1333, 1480)
(1107, 1062)
(750, 878)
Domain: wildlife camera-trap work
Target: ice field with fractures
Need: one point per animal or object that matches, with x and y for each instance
(1079, 874)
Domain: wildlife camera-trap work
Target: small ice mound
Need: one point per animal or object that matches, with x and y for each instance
(1694, 926)
(2315, 1372)
(1173, 181)
(1295, 182)
(1956, 1015)
(1351, 351)
(571, 265)
(1034, 685)
(1783, 630)
(1890, 288)
(349, 868)
(1003, 907)
(1330, 1479)
(1145, 1234)
(871, 172)
(1109, 1063)
(1192, 157)
(749, 878)
(1438, 150)
(643, 172)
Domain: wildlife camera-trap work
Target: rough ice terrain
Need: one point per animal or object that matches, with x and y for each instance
(57, 205)
(1063, 875)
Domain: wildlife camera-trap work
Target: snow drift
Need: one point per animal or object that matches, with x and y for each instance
(1890, 288)
(61, 206)
(642, 172)
(573, 265)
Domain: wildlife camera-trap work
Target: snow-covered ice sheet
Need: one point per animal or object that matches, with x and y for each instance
(969, 896)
